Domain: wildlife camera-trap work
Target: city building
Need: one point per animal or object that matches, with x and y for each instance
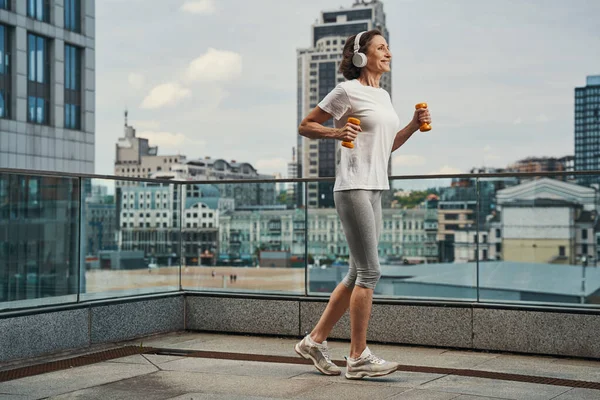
(100, 214)
(318, 74)
(254, 194)
(135, 158)
(587, 129)
(407, 237)
(548, 221)
(39, 230)
(153, 219)
(292, 173)
(462, 208)
(47, 85)
(544, 164)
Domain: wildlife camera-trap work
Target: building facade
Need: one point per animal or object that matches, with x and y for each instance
(135, 158)
(407, 236)
(318, 74)
(544, 164)
(47, 85)
(158, 218)
(587, 129)
(548, 221)
(39, 230)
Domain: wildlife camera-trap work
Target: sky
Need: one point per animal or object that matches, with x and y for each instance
(218, 77)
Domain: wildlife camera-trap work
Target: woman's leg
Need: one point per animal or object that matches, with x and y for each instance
(357, 213)
(340, 298)
(361, 302)
(336, 307)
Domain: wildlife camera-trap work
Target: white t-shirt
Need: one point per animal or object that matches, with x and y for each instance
(364, 166)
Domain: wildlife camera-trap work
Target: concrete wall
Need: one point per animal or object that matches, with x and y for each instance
(46, 331)
(464, 326)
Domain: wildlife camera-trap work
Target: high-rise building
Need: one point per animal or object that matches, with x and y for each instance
(318, 74)
(292, 173)
(134, 157)
(587, 129)
(47, 85)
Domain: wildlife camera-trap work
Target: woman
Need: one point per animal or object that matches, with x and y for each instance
(360, 180)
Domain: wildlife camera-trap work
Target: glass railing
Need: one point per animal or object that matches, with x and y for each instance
(521, 239)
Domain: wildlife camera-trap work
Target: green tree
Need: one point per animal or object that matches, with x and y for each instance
(282, 197)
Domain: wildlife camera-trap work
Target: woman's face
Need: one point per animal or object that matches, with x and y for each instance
(379, 55)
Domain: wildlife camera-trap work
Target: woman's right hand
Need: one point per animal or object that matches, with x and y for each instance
(348, 133)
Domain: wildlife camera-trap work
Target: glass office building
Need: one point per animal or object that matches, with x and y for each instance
(587, 129)
(47, 85)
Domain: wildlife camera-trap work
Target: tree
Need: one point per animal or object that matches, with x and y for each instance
(282, 197)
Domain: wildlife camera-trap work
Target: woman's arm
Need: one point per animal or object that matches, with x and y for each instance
(403, 135)
(420, 116)
(312, 127)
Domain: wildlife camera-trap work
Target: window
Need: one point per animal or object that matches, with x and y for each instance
(38, 85)
(73, 15)
(5, 4)
(561, 251)
(72, 87)
(39, 9)
(584, 234)
(5, 74)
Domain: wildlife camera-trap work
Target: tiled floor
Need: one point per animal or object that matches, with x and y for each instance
(149, 377)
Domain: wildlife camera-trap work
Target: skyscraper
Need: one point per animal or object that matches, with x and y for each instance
(318, 74)
(47, 85)
(587, 129)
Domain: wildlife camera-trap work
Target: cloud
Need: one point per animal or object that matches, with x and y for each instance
(408, 160)
(136, 81)
(147, 125)
(215, 66)
(542, 118)
(517, 121)
(168, 139)
(201, 7)
(167, 94)
(271, 165)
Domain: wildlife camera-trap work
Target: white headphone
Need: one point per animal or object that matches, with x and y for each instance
(358, 59)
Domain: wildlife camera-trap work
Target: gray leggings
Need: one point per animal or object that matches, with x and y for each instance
(360, 213)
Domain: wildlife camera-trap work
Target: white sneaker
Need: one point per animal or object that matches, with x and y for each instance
(319, 354)
(368, 365)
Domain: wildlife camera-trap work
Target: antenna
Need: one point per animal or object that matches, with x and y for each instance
(126, 112)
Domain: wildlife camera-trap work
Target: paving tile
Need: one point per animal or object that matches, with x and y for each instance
(234, 367)
(397, 379)
(419, 394)
(579, 394)
(495, 388)
(216, 396)
(542, 366)
(343, 391)
(232, 385)
(65, 381)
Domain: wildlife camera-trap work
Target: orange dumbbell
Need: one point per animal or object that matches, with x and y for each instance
(425, 127)
(354, 121)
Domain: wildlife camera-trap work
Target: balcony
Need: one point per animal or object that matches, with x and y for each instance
(56, 272)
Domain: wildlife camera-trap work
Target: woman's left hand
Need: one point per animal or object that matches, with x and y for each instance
(420, 117)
